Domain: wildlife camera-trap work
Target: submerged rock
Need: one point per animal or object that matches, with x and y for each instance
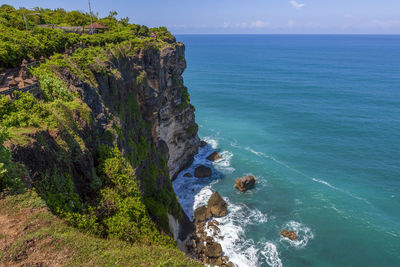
(217, 205)
(214, 156)
(202, 172)
(289, 234)
(202, 143)
(244, 183)
(188, 175)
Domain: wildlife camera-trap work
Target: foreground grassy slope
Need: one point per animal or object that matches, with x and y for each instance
(30, 234)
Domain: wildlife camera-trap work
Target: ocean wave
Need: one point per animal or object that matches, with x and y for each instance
(201, 198)
(224, 165)
(261, 154)
(212, 142)
(341, 190)
(304, 234)
(240, 250)
(271, 255)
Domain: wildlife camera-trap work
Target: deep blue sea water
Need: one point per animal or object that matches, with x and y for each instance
(316, 118)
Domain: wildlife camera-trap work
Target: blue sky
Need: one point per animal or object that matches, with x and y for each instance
(247, 16)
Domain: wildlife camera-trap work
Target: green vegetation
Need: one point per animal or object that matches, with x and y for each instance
(129, 193)
(142, 77)
(10, 172)
(193, 129)
(15, 45)
(185, 97)
(56, 243)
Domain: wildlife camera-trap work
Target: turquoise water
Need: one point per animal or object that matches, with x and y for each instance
(317, 120)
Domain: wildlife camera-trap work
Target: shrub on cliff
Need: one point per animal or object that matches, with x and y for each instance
(9, 171)
(120, 211)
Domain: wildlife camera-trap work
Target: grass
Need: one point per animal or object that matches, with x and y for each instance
(56, 243)
(19, 136)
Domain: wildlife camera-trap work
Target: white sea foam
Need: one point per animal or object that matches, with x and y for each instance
(304, 234)
(212, 142)
(241, 251)
(341, 190)
(202, 197)
(224, 165)
(192, 191)
(271, 255)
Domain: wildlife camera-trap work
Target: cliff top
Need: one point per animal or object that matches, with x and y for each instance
(50, 31)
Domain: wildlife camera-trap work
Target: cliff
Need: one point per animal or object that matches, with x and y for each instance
(128, 96)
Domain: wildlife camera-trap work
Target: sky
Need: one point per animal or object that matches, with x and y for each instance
(246, 16)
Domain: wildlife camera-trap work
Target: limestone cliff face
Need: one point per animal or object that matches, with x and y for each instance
(155, 77)
(161, 100)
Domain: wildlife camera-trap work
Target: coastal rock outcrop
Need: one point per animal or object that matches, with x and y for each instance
(215, 156)
(201, 214)
(217, 205)
(289, 234)
(244, 183)
(202, 172)
(204, 246)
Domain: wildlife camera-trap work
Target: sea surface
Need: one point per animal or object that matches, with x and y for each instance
(316, 119)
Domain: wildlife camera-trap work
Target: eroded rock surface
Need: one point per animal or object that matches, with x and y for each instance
(215, 156)
(203, 246)
(289, 234)
(217, 205)
(244, 183)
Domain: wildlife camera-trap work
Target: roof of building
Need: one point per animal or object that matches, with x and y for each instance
(96, 25)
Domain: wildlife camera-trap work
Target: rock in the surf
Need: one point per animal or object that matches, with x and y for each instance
(188, 175)
(214, 156)
(202, 172)
(217, 205)
(203, 143)
(213, 250)
(289, 234)
(201, 214)
(244, 183)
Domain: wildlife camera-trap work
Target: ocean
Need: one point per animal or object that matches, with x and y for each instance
(316, 119)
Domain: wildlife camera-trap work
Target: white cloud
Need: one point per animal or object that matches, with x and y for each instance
(259, 24)
(296, 4)
(227, 24)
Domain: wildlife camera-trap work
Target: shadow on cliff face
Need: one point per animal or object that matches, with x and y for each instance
(191, 191)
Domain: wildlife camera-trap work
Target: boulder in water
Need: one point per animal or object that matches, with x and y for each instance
(188, 175)
(201, 214)
(213, 250)
(289, 234)
(217, 205)
(244, 183)
(202, 172)
(203, 143)
(214, 156)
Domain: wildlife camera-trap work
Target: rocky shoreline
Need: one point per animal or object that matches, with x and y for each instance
(203, 244)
